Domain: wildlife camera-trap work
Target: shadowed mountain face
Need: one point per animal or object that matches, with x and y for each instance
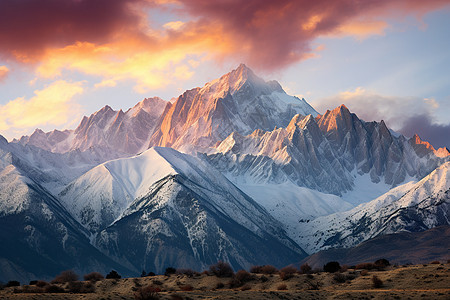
(39, 237)
(182, 224)
(401, 248)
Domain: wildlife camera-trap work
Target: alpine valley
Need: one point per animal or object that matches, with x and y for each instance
(237, 171)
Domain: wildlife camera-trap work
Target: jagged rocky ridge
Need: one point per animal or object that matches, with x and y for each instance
(115, 132)
(326, 153)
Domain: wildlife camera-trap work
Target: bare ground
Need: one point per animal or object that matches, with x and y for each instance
(430, 281)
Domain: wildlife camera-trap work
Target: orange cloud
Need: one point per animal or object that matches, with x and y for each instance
(139, 58)
(115, 40)
(3, 72)
(362, 29)
(52, 105)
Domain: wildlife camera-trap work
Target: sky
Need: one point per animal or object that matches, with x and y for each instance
(385, 60)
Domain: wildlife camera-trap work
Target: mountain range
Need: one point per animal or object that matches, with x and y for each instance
(237, 170)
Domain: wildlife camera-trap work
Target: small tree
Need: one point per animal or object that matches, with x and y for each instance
(287, 272)
(147, 293)
(93, 276)
(13, 283)
(377, 282)
(65, 276)
(113, 275)
(332, 267)
(143, 274)
(221, 269)
(382, 263)
(169, 271)
(305, 268)
(243, 276)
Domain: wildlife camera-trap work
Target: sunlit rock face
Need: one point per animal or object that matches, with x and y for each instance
(237, 102)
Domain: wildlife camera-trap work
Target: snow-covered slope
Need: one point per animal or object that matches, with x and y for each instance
(112, 131)
(98, 197)
(238, 101)
(172, 208)
(410, 207)
(39, 237)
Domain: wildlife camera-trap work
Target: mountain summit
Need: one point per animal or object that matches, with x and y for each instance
(238, 101)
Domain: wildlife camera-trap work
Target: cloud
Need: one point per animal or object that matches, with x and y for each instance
(436, 134)
(116, 40)
(273, 34)
(3, 73)
(28, 28)
(407, 115)
(52, 105)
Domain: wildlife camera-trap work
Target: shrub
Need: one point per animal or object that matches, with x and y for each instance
(151, 274)
(33, 282)
(12, 283)
(339, 278)
(263, 278)
(147, 293)
(169, 271)
(255, 269)
(113, 275)
(234, 283)
(51, 288)
(246, 288)
(186, 287)
(29, 289)
(143, 274)
(305, 269)
(376, 282)
(435, 262)
(65, 276)
(157, 282)
(41, 283)
(222, 269)
(282, 287)
(136, 282)
(243, 276)
(313, 285)
(350, 276)
(365, 266)
(332, 267)
(93, 276)
(220, 285)
(266, 269)
(287, 272)
(187, 272)
(364, 272)
(343, 268)
(81, 287)
(381, 263)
